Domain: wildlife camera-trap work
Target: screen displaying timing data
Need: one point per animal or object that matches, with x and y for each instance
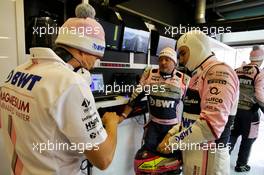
(165, 42)
(97, 82)
(112, 34)
(135, 40)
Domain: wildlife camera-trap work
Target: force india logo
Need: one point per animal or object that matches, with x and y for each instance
(86, 104)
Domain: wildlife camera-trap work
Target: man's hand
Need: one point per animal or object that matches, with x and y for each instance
(127, 110)
(111, 118)
(164, 147)
(103, 156)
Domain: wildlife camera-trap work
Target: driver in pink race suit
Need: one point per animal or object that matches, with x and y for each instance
(209, 108)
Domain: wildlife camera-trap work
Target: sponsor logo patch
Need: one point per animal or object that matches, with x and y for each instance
(93, 135)
(218, 81)
(21, 79)
(162, 103)
(92, 124)
(214, 91)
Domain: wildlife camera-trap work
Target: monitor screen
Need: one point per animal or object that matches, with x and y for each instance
(112, 34)
(97, 84)
(165, 42)
(135, 40)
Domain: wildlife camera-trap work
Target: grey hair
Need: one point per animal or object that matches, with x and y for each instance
(84, 10)
(256, 47)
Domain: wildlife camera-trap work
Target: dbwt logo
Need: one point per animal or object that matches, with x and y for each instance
(161, 103)
(98, 47)
(21, 79)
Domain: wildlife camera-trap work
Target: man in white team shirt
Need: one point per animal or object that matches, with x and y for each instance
(48, 114)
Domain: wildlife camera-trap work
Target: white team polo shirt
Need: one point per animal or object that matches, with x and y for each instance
(48, 116)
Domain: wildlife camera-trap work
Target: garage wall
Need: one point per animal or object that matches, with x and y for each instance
(8, 44)
(8, 57)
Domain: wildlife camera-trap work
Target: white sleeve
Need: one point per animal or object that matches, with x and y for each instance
(76, 116)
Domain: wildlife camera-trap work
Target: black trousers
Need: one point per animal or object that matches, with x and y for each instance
(242, 125)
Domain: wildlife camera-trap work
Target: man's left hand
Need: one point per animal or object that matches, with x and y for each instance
(165, 147)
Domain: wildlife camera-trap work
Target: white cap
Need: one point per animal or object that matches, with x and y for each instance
(170, 53)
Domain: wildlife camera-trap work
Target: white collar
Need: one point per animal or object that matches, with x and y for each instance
(44, 53)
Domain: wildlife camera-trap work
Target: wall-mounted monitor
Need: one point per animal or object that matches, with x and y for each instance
(165, 42)
(112, 35)
(135, 40)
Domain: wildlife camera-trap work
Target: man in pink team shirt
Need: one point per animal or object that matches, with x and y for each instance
(251, 99)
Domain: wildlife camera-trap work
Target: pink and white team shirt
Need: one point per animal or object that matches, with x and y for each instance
(251, 86)
(48, 117)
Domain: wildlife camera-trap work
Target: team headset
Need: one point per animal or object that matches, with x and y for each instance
(67, 56)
